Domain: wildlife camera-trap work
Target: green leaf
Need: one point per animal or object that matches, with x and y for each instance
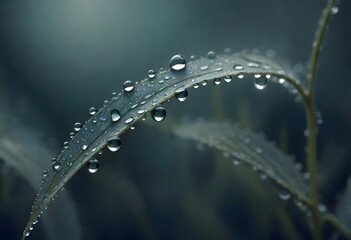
(244, 146)
(135, 104)
(343, 210)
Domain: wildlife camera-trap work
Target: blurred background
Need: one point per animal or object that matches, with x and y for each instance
(59, 58)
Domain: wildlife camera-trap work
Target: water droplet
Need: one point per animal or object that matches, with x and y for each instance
(240, 75)
(204, 67)
(93, 165)
(56, 166)
(237, 161)
(77, 126)
(65, 145)
(281, 80)
(228, 78)
(115, 115)
(177, 63)
(260, 82)
(158, 114)
(204, 83)
(211, 55)
(114, 143)
(334, 10)
(45, 173)
(128, 86)
(151, 74)
(26, 232)
(322, 208)
(129, 120)
(238, 67)
(284, 194)
(84, 147)
(253, 65)
(141, 111)
(181, 94)
(196, 85)
(92, 111)
(71, 135)
(217, 81)
(263, 176)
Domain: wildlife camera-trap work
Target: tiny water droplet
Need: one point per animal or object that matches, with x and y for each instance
(84, 147)
(65, 145)
(177, 63)
(45, 173)
(334, 10)
(158, 114)
(181, 94)
(281, 80)
(211, 55)
(77, 126)
(238, 67)
(322, 208)
(93, 165)
(217, 81)
(92, 111)
(56, 166)
(237, 161)
(284, 194)
(71, 135)
(228, 78)
(240, 75)
(204, 83)
(128, 86)
(114, 143)
(260, 82)
(115, 115)
(196, 86)
(151, 74)
(204, 67)
(129, 120)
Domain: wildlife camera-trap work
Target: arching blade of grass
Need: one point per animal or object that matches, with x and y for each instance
(126, 108)
(343, 211)
(244, 146)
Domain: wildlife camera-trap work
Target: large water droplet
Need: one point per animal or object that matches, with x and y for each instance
(92, 111)
(114, 143)
(93, 165)
(181, 94)
(77, 126)
(177, 62)
(158, 114)
(260, 82)
(151, 74)
(128, 86)
(211, 55)
(115, 115)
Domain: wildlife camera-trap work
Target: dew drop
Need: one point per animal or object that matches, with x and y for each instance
(56, 166)
(65, 145)
(237, 161)
(115, 115)
(204, 67)
(284, 194)
(240, 75)
(92, 111)
(84, 147)
(217, 81)
(114, 143)
(211, 55)
(181, 94)
(77, 126)
(128, 86)
(158, 114)
(334, 10)
(45, 174)
(129, 120)
(196, 86)
(93, 165)
(281, 80)
(151, 74)
(228, 78)
(260, 82)
(177, 63)
(204, 83)
(238, 67)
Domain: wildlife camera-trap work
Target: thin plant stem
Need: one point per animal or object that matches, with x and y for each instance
(311, 155)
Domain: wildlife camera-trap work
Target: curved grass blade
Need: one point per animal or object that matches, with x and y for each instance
(244, 146)
(126, 108)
